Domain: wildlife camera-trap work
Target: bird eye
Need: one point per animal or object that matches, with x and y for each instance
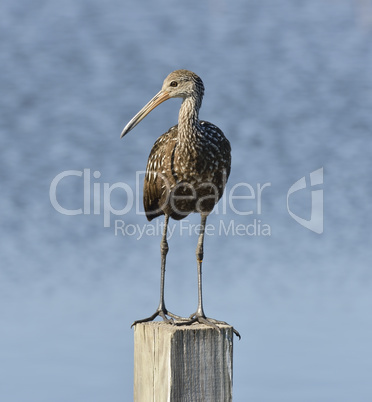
(173, 84)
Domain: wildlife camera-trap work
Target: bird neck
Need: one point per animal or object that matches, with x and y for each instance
(188, 118)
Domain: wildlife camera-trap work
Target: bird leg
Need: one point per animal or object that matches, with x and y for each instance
(199, 259)
(161, 310)
(199, 315)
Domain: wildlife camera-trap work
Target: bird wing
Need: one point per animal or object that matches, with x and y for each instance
(158, 175)
(221, 151)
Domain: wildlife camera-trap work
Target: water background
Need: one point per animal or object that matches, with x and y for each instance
(290, 84)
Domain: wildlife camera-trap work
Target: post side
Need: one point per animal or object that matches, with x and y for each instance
(182, 363)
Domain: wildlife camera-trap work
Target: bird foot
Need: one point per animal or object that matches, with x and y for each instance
(202, 319)
(161, 312)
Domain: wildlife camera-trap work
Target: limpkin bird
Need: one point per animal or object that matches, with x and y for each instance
(186, 172)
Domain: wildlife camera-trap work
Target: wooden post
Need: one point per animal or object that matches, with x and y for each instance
(182, 363)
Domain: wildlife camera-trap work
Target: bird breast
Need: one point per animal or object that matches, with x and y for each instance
(186, 174)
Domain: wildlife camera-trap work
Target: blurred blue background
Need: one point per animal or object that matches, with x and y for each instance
(290, 84)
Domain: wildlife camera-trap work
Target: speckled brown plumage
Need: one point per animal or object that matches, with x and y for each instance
(186, 177)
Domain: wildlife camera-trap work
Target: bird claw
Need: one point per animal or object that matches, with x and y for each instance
(201, 319)
(163, 313)
(179, 321)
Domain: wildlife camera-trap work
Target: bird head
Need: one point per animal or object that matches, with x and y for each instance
(183, 84)
(179, 84)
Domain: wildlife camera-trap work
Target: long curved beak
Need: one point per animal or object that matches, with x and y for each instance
(159, 98)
